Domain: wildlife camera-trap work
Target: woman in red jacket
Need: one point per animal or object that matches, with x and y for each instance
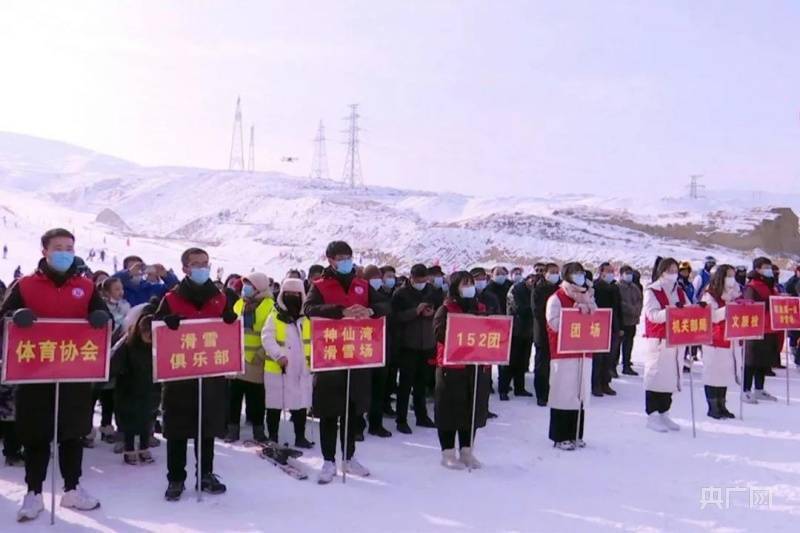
(455, 384)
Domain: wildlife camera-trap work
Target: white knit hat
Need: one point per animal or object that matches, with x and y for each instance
(259, 281)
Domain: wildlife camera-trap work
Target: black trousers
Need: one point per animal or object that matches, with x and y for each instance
(413, 366)
(8, 432)
(144, 440)
(328, 428)
(657, 401)
(37, 459)
(379, 377)
(106, 397)
(391, 384)
(253, 394)
(541, 372)
(601, 370)
(299, 417)
(626, 346)
(447, 438)
(176, 458)
(754, 373)
(518, 365)
(564, 424)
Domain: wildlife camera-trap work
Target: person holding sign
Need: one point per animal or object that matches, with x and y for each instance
(55, 290)
(195, 296)
(454, 384)
(339, 294)
(662, 364)
(286, 339)
(759, 354)
(722, 361)
(569, 374)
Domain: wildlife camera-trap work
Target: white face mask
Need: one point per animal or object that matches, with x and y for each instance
(670, 278)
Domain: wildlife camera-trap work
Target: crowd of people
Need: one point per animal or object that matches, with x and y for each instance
(276, 319)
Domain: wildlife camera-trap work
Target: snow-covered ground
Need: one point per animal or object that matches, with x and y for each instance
(628, 478)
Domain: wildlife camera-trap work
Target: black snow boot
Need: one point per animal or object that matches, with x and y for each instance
(713, 403)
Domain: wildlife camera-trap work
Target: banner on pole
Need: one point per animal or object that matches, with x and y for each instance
(784, 312)
(745, 320)
(688, 326)
(587, 333)
(477, 340)
(66, 350)
(347, 343)
(199, 348)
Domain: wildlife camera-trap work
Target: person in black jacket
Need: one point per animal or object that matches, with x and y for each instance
(487, 298)
(543, 289)
(606, 294)
(499, 285)
(388, 289)
(793, 289)
(519, 306)
(379, 376)
(413, 308)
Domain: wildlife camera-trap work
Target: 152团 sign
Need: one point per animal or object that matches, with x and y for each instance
(477, 340)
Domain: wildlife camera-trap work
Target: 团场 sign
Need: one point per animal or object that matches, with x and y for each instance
(55, 350)
(477, 340)
(745, 320)
(347, 343)
(784, 312)
(199, 348)
(584, 333)
(689, 326)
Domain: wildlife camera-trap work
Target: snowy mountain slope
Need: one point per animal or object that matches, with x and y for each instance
(273, 221)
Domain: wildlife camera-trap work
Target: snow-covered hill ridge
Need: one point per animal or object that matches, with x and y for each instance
(272, 219)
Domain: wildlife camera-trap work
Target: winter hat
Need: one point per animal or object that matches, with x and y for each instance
(292, 285)
(259, 281)
(419, 271)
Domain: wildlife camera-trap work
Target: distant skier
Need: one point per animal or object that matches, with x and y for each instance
(103, 256)
(18, 272)
(5, 251)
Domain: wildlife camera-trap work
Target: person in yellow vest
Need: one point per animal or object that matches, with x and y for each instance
(286, 338)
(255, 306)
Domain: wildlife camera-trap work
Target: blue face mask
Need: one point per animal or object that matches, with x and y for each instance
(248, 291)
(627, 278)
(438, 281)
(609, 278)
(200, 275)
(389, 283)
(344, 266)
(376, 283)
(480, 284)
(419, 286)
(767, 272)
(61, 261)
(553, 278)
(467, 292)
(578, 279)
(500, 279)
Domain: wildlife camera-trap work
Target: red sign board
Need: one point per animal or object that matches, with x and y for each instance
(581, 333)
(745, 320)
(63, 350)
(477, 340)
(199, 348)
(347, 343)
(784, 312)
(689, 326)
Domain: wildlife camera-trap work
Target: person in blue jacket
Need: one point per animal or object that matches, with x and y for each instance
(142, 282)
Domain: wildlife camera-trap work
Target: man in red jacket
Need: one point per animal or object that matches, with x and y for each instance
(55, 290)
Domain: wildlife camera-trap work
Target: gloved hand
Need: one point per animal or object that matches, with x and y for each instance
(229, 317)
(23, 318)
(99, 318)
(680, 305)
(173, 322)
(702, 304)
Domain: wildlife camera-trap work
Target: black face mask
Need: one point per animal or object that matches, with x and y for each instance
(292, 304)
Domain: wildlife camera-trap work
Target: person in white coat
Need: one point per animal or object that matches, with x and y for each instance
(722, 361)
(286, 338)
(662, 365)
(570, 374)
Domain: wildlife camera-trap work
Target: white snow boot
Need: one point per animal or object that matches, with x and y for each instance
(79, 499)
(469, 460)
(764, 395)
(327, 473)
(107, 434)
(749, 397)
(355, 468)
(565, 445)
(32, 505)
(449, 460)
(669, 423)
(656, 423)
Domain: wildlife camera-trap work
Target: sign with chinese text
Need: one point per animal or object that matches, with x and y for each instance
(784, 312)
(745, 320)
(587, 333)
(477, 340)
(347, 343)
(63, 350)
(199, 348)
(688, 326)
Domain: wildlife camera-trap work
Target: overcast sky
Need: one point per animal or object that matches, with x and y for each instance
(494, 96)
